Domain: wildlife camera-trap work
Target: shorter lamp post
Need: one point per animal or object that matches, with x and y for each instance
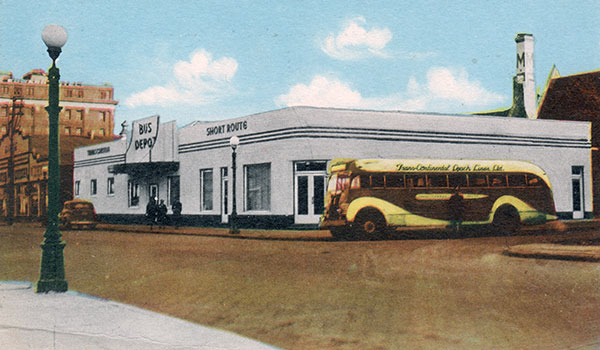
(234, 141)
(52, 271)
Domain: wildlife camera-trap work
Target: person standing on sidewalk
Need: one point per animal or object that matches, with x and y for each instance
(162, 213)
(176, 208)
(151, 212)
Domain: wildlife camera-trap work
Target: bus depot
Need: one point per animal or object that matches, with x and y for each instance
(283, 156)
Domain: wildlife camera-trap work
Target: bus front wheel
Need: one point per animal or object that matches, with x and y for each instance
(506, 220)
(369, 224)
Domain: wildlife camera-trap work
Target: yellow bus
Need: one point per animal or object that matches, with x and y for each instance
(367, 197)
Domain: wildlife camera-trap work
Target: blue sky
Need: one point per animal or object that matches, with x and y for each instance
(209, 60)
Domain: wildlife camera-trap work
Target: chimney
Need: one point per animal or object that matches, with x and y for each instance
(524, 95)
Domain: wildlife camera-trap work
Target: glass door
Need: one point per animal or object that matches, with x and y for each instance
(577, 185)
(224, 196)
(309, 184)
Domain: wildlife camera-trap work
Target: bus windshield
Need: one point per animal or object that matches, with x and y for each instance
(338, 183)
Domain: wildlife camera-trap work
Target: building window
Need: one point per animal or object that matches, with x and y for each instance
(30, 91)
(68, 114)
(102, 132)
(79, 114)
(173, 189)
(67, 130)
(80, 93)
(103, 116)
(103, 95)
(110, 186)
(76, 189)
(78, 131)
(206, 190)
(133, 193)
(93, 187)
(69, 93)
(5, 89)
(258, 186)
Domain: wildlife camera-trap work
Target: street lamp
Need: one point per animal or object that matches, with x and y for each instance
(234, 141)
(52, 271)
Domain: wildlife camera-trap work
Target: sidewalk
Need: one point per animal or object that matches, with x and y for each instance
(72, 321)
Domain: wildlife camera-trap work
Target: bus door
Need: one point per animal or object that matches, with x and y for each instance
(577, 185)
(309, 191)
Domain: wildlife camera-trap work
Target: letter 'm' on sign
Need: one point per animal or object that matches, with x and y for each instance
(143, 139)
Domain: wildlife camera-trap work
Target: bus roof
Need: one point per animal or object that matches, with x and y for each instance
(437, 165)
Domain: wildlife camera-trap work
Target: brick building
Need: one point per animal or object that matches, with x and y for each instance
(86, 118)
(88, 110)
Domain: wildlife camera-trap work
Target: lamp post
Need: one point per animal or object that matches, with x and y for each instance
(234, 141)
(52, 271)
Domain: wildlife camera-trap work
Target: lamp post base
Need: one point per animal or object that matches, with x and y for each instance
(52, 275)
(233, 228)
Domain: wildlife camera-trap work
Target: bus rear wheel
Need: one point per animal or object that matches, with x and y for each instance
(506, 220)
(369, 225)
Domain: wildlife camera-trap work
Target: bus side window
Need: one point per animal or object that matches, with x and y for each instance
(355, 183)
(394, 181)
(377, 181)
(477, 180)
(498, 180)
(455, 180)
(437, 181)
(415, 180)
(365, 181)
(516, 180)
(533, 180)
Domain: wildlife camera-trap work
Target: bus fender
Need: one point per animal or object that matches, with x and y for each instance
(386, 208)
(524, 209)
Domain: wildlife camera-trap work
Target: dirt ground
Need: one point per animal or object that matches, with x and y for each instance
(318, 294)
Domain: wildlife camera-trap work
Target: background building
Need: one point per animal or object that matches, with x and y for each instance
(87, 118)
(576, 97)
(88, 110)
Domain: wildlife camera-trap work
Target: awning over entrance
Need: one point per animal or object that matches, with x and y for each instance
(144, 169)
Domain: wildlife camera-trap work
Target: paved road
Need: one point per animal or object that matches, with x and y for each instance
(313, 294)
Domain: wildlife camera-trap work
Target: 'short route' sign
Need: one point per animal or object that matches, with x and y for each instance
(143, 138)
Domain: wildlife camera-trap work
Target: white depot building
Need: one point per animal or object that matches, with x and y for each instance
(282, 157)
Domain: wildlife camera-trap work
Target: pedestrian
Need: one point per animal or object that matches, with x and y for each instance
(151, 212)
(176, 208)
(456, 206)
(162, 213)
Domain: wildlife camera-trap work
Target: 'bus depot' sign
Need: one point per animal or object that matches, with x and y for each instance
(143, 139)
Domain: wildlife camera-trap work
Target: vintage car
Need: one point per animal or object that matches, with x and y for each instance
(78, 213)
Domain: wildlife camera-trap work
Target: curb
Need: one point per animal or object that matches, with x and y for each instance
(555, 251)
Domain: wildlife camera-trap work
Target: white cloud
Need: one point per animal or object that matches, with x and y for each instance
(322, 92)
(199, 81)
(355, 42)
(446, 84)
(445, 90)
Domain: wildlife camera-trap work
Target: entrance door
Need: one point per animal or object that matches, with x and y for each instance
(224, 196)
(153, 191)
(578, 198)
(309, 184)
